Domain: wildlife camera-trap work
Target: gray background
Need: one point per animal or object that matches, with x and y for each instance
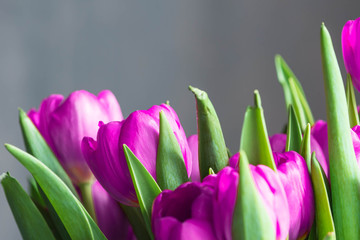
(147, 52)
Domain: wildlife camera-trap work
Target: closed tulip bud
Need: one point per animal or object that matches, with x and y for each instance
(193, 144)
(140, 132)
(64, 122)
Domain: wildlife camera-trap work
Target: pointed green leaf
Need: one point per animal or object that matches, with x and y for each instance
(212, 148)
(300, 114)
(28, 218)
(64, 202)
(145, 186)
(250, 220)
(254, 138)
(293, 135)
(211, 171)
(323, 216)
(170, 166)
(351, 102)
(37, 146)
(136, 220)
(293, 93)
(305, 149)
(344, 172)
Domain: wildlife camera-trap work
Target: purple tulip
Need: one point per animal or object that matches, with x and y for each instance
(296, 180)
(193, 144)
(64, 122)
(294, 176)
(350, 39)
(205, 210)
(110, 217)
(278, 144)
(140, 132)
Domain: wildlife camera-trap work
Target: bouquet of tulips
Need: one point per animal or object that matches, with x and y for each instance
(98, 175)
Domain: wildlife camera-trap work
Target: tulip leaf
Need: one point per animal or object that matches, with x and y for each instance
(351, 102)
(344, 172)
(31, 223)
(136, 220)
(293, 135)
(250, 219)
(145, 186)
(36, 145)
(323, 216)
(254, 137)
(170, 166)
(66, 205)
(293, 92)
(212, 148)
(330, 236)
(211, 171)
(305, 149)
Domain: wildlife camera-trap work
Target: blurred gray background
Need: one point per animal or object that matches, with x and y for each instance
(148, 52)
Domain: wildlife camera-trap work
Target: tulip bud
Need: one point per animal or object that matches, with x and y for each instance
(351, 50)
(110, 217)
(140, 132)
(205, 210)
(64, 122)
(193, 145)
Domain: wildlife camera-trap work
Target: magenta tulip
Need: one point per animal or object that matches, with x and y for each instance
(110, 217)
(205, 210)
(140, 132)
(64, 122)
(193, 144)
(350, 39)
(296, 180)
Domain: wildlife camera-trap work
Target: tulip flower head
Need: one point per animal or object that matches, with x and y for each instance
(205, 210)
(64, 122)
(140, 132)
(350, 39)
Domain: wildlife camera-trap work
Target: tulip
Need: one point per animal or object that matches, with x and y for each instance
(193, 144)
(64, 122)
(110, 217)
(140, 132)
(350, 39)
(205, 210)
(295, 178)
(278, 144)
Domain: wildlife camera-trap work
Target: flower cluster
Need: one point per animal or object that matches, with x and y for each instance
(98, 175)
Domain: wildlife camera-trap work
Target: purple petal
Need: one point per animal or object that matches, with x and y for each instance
(296, 180)
(193, 144)
(110, 217)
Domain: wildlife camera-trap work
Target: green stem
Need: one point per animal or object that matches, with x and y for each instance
(87, 200)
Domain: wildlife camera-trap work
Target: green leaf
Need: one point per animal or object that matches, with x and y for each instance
(170, 166)
(305, 149)
(254, 138)
(293, 135)
(250, 219)
(351, 102)
(212, 147)
(294, 95)
(145, 186)
(36, 145)
(344, 171)
(28, 218)
(323, 216)
(211, 171)
(66, 205)
(136, 220)
(330, 236)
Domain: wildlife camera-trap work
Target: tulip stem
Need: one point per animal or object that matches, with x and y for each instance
(87, 200)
